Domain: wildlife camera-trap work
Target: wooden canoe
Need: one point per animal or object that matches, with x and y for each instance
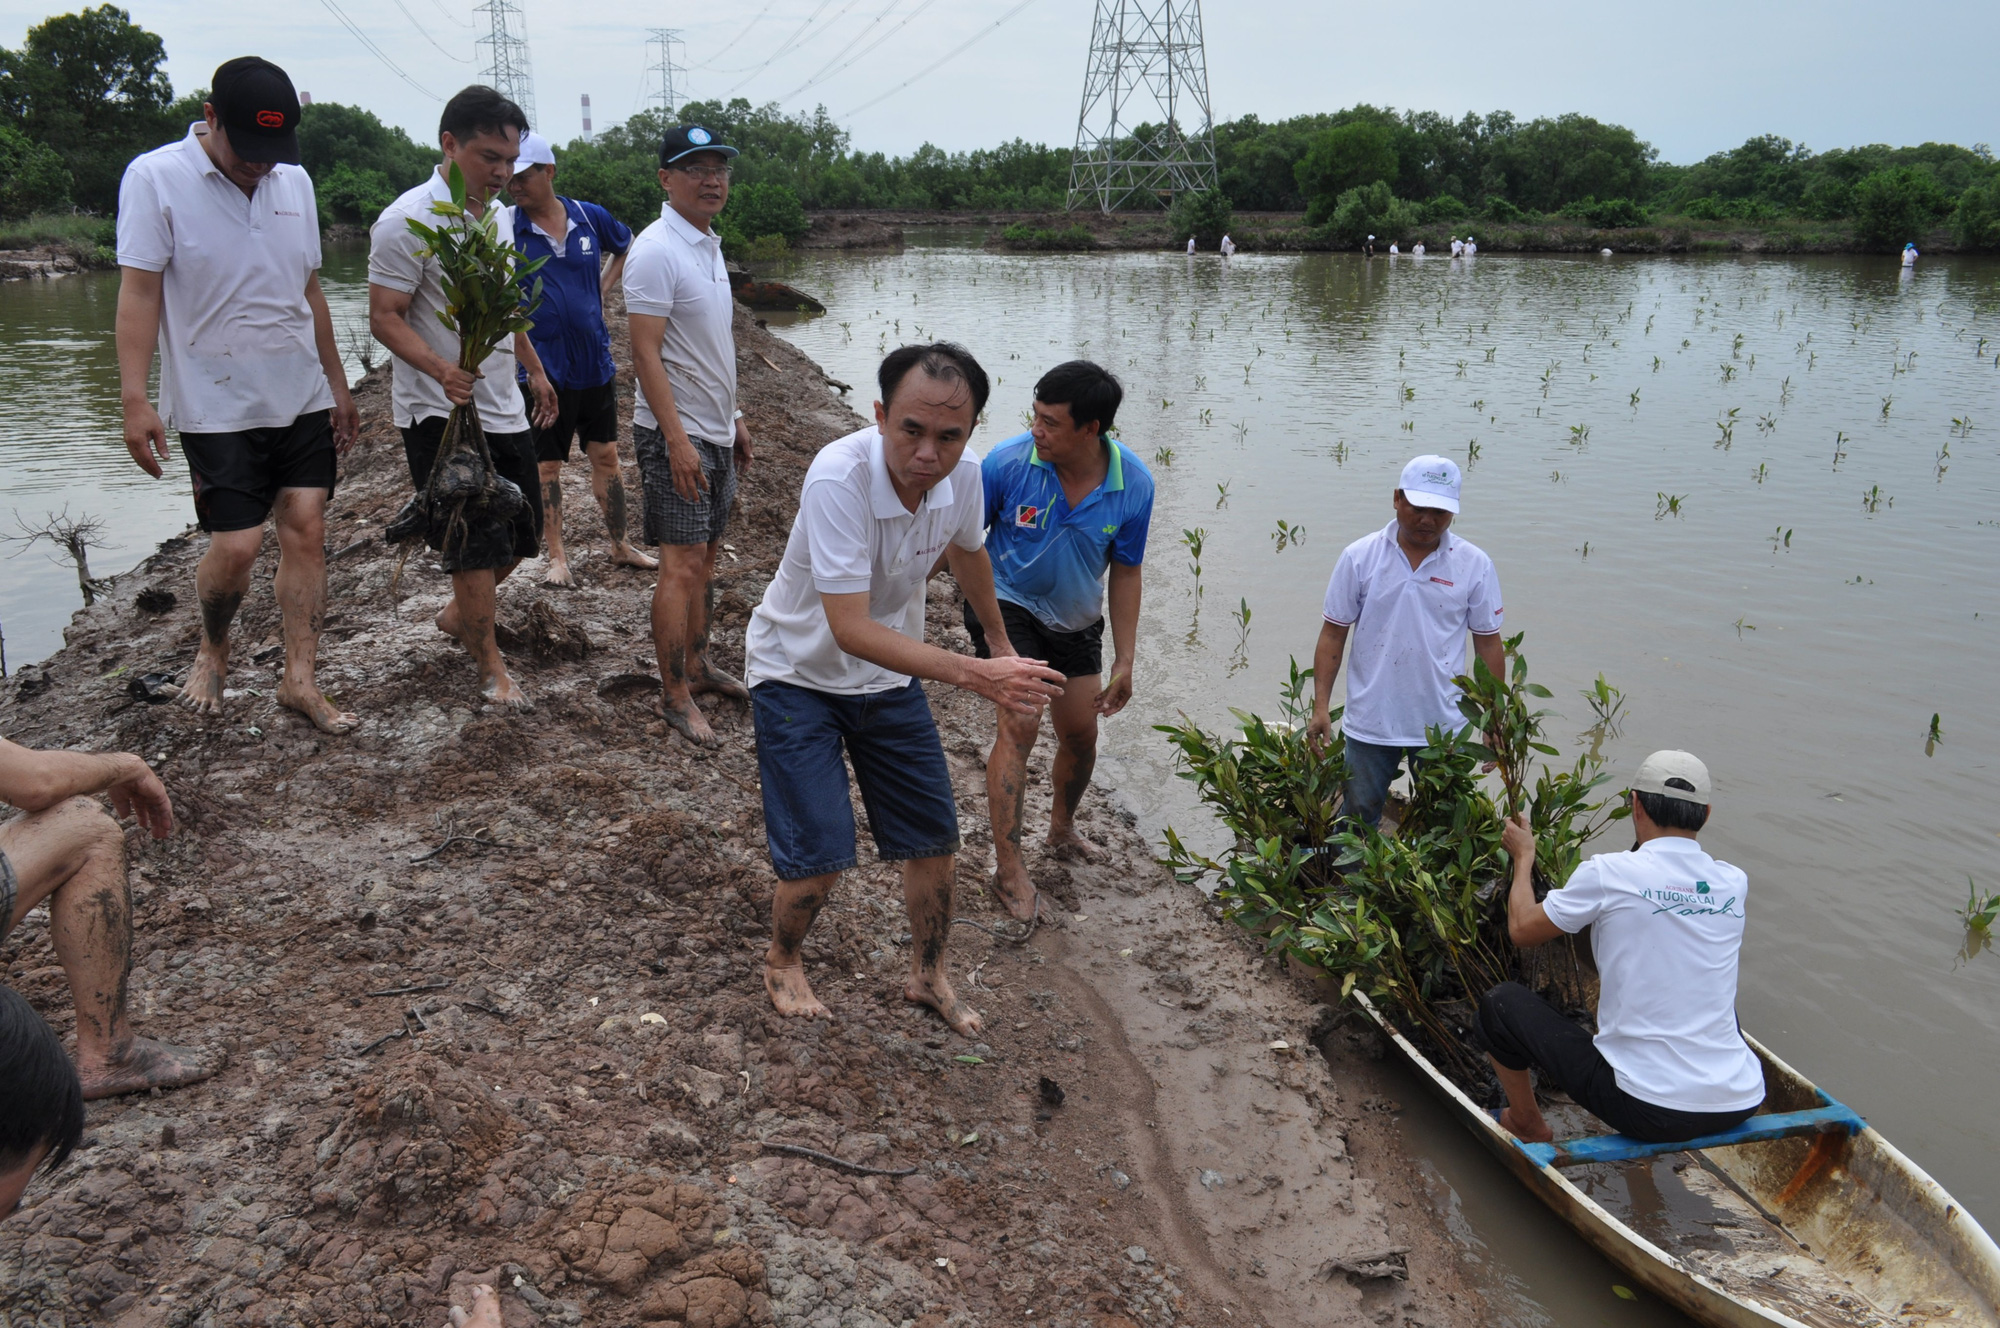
(1827, 1226)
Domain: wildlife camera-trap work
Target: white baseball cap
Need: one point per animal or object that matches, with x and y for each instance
(1673, 774)
(535, 151)
(1431, 481)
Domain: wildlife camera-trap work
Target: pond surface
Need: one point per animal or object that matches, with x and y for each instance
(1829, 429)
(61, 440)
(1836, 401)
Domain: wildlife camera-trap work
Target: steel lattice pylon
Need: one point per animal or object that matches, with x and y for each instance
(505, 52)
(1147, 68)
(664, 71)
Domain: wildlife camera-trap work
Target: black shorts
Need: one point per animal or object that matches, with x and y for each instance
(237, 475)
(585, 414)
(1072, 654)
(513, 457)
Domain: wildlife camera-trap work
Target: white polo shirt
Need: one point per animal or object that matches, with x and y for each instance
(236, 334)
(1666, 925)
(394, 263)
(853, 534)
(1408, 637)
(675, 271)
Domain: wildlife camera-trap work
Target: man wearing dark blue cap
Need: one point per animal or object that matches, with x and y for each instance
(689, 436)
(218, 250)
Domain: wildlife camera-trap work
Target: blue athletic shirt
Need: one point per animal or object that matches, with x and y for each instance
(1048, 558)
(569, 332)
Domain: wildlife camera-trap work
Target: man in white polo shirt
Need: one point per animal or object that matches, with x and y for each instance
(834, 651)
(1668, 1062)
(1407, 595)
(218, 251)
(480, 133)
(687, 433)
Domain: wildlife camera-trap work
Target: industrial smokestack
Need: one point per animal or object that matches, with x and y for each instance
(586, 117)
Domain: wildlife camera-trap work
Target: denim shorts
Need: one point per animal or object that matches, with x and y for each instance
(891, 741)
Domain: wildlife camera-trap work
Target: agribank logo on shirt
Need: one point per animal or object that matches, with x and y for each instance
(1027, 516)
(1695, 903)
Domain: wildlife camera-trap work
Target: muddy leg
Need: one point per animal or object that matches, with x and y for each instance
(1006, 794)
(469, 617)
(676, 596)
(220, 580)
(703, 677)
(927, 895)
(558, 570)
(1075, 716)
(608, 483)
(793, 908)
(73, 855)
(302, 601)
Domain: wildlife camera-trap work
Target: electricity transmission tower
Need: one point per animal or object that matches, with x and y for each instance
(663, 70)
(505, 48)
(1144, 132)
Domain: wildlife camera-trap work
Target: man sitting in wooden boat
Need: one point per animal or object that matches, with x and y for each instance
(1668, 1062)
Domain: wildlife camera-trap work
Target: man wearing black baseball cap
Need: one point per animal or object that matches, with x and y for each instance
(213, 232)
(687, 433)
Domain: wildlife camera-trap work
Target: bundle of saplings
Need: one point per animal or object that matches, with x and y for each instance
(467, 507)
(1416, 917)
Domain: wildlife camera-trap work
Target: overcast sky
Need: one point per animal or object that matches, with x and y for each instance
(1691, 79)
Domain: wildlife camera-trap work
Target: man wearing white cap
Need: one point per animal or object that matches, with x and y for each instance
(1407, 594)
(1668, 1062)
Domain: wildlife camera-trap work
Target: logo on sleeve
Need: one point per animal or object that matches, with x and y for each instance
(1026, 516)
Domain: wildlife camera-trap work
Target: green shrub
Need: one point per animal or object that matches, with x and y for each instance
(1499, 209)
(758, 210)
(1618, 212)
(1975, 223)
(1827, 198)
(32, 176)
(1370, 210)
(1343, 158)
(1441, 210)
(353, 195)
(79, 232)
(1204, 216)
(1075, 237)
(1894, 206)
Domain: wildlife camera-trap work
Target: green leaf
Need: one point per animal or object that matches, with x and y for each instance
(970, 1060)
(1623, 1292)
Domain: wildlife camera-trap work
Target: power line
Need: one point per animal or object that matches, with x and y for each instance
(377, 51)
(426, 36)
(462, 22)
(728, 45)
(943, 60)
(791, 43)
(827, 70)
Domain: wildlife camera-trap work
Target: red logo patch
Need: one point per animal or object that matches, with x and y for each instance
(271, 119)
(1025, 514)
(1441, 581)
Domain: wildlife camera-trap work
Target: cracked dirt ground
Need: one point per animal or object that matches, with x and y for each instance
(576, 1105)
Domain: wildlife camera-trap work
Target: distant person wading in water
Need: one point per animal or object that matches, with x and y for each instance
(218, 251)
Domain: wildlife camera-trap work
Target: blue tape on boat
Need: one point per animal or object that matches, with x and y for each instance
(1830, 1117)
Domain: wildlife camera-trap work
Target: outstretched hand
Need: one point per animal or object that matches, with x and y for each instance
(1013, 683)
(1112, 698)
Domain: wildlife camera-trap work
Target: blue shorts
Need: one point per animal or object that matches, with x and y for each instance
(898, 760)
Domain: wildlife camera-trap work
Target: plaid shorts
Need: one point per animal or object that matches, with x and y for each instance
(10, 890)
(670, 518)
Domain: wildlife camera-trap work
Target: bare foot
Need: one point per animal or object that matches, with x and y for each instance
(686, 719)
(709, 680)
(792, 994)
(314, 706)
(1016, 893)
(145, 1063)
(1534, 1131)
(447, 620)
(936, 992)
(485, 1311)
(500, 689)
(202, 692)
(624, 555)
(1066, 845)
(558, 573)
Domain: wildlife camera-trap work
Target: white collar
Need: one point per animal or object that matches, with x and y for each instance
(1671, 844)
(686, 229)
(1443, 550)
(882, 494)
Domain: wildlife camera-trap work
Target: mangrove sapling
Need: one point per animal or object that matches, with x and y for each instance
(1934, 739)
(1163, 456)
(1670, 504)
(1287, 533)
(1980, 910)
(1193, 540)
(1222, 493)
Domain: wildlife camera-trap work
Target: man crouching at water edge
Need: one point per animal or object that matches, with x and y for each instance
(1666, 922)
(833, 653)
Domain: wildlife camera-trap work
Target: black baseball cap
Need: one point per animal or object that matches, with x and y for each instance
(258, 108)
(685, 140)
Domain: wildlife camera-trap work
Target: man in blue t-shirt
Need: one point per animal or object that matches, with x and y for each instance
(1065, 505)
(570, 336)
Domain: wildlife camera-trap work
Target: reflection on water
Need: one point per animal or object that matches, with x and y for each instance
(1757, 495)
(61, 439)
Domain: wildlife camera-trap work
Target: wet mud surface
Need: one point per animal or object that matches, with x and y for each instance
(543, 1055)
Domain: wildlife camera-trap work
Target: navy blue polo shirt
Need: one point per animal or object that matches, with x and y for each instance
(1048, 557)
(569, 332)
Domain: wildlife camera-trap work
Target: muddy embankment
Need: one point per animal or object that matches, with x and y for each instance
(581, 1068)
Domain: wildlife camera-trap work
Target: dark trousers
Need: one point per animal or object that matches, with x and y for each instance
(1521, 1029)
